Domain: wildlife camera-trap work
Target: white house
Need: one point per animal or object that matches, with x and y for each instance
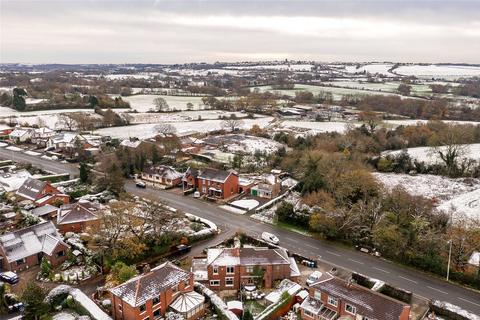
(20, 135)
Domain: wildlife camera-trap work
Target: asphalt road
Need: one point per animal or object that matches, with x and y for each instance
(406, 278)
(45, 164)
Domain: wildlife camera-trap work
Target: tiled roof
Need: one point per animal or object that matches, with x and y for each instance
(42, 237)
(31, 188)
(77, 212)
(247, 256)
(43, 210)
(368, 303)
(140, 289)
(164, 171)
(214, 174)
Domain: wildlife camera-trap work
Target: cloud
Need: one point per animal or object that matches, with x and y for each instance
(184, 31)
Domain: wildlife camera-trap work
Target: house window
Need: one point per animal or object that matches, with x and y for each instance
(186, 284)
(175, 288)
(215, 270)
(230, 269)
(120, 308)
(150, 176)
(249, 269)
(318, 295)
(229, 282)
(214, 283)
(350, 309)
(156, 314)
(20, 262)
(155, 300)
(60, 254)
(332, 301)
(204, 189)
(308, 313)
(142, 308)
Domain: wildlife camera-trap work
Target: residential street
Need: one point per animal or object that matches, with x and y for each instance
(421, 284)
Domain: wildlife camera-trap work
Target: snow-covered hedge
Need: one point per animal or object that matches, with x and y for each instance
(220, 306)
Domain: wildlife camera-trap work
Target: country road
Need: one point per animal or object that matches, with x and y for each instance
(406, 278)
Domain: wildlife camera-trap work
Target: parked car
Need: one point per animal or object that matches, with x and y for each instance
(9, 277)
(13, 304)
(313, 277)
(196, 194)
(141, 184)
(270, 237)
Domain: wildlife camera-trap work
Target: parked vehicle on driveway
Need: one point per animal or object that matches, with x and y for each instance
(141, 184)
(196, 194)
(313, 277)
(9, 277)
(270, 237)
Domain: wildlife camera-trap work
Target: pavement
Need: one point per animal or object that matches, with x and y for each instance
(423, 284)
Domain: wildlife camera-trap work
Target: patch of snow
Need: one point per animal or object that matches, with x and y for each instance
(247, 204)
(232, 209)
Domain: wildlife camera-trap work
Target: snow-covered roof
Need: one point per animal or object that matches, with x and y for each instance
(130, 144)
(475, 259)
(166, 172)
(139, 289)
(43, 210)
(19, 244)
(31, 189)
(187, 301)
(78, 212)
(285, 286)
(234, 305)
(246, 256)
(17, 133)
(12, 181)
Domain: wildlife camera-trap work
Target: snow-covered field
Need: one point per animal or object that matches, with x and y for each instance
(462, 195)
(250, 144)
(148, 130)
(180, 116)
(293, 67)
(410, 122)
(311, 127)
(438, 71)
(424, 153)
(144, 102)
(381, 68)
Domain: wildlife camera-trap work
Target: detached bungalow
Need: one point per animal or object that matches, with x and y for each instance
(41, 192)
(25, 248)
(20, 135)
(77, 217)
(162, 176)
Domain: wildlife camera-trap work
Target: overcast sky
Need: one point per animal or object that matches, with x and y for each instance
(120, 31)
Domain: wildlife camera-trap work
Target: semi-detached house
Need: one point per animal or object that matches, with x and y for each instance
(230, 268)
(152, 294)
(333, 298)
(217, 184)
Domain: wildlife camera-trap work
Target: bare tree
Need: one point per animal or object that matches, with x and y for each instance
(161, 104)
(165, 129)
(232, 124)
(66, 122)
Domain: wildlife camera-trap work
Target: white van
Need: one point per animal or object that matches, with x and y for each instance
(313, 277)
(269, 237)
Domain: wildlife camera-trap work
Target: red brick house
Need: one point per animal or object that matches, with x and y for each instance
(217, 184)
(332, 298)
(149, 296)
(25, 248)
(190, 179)
(77, 217)
(41, 193)
(229, 268)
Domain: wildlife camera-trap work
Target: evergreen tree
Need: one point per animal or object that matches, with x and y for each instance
(84, 172)
(33, 297)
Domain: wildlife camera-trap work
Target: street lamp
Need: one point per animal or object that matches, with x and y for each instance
(449, 258)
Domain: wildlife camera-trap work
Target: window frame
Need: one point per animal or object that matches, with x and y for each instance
(215, 270)
(354, 309)
(212, 283)
(232, 268)
(331, 299)
(229, 279)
